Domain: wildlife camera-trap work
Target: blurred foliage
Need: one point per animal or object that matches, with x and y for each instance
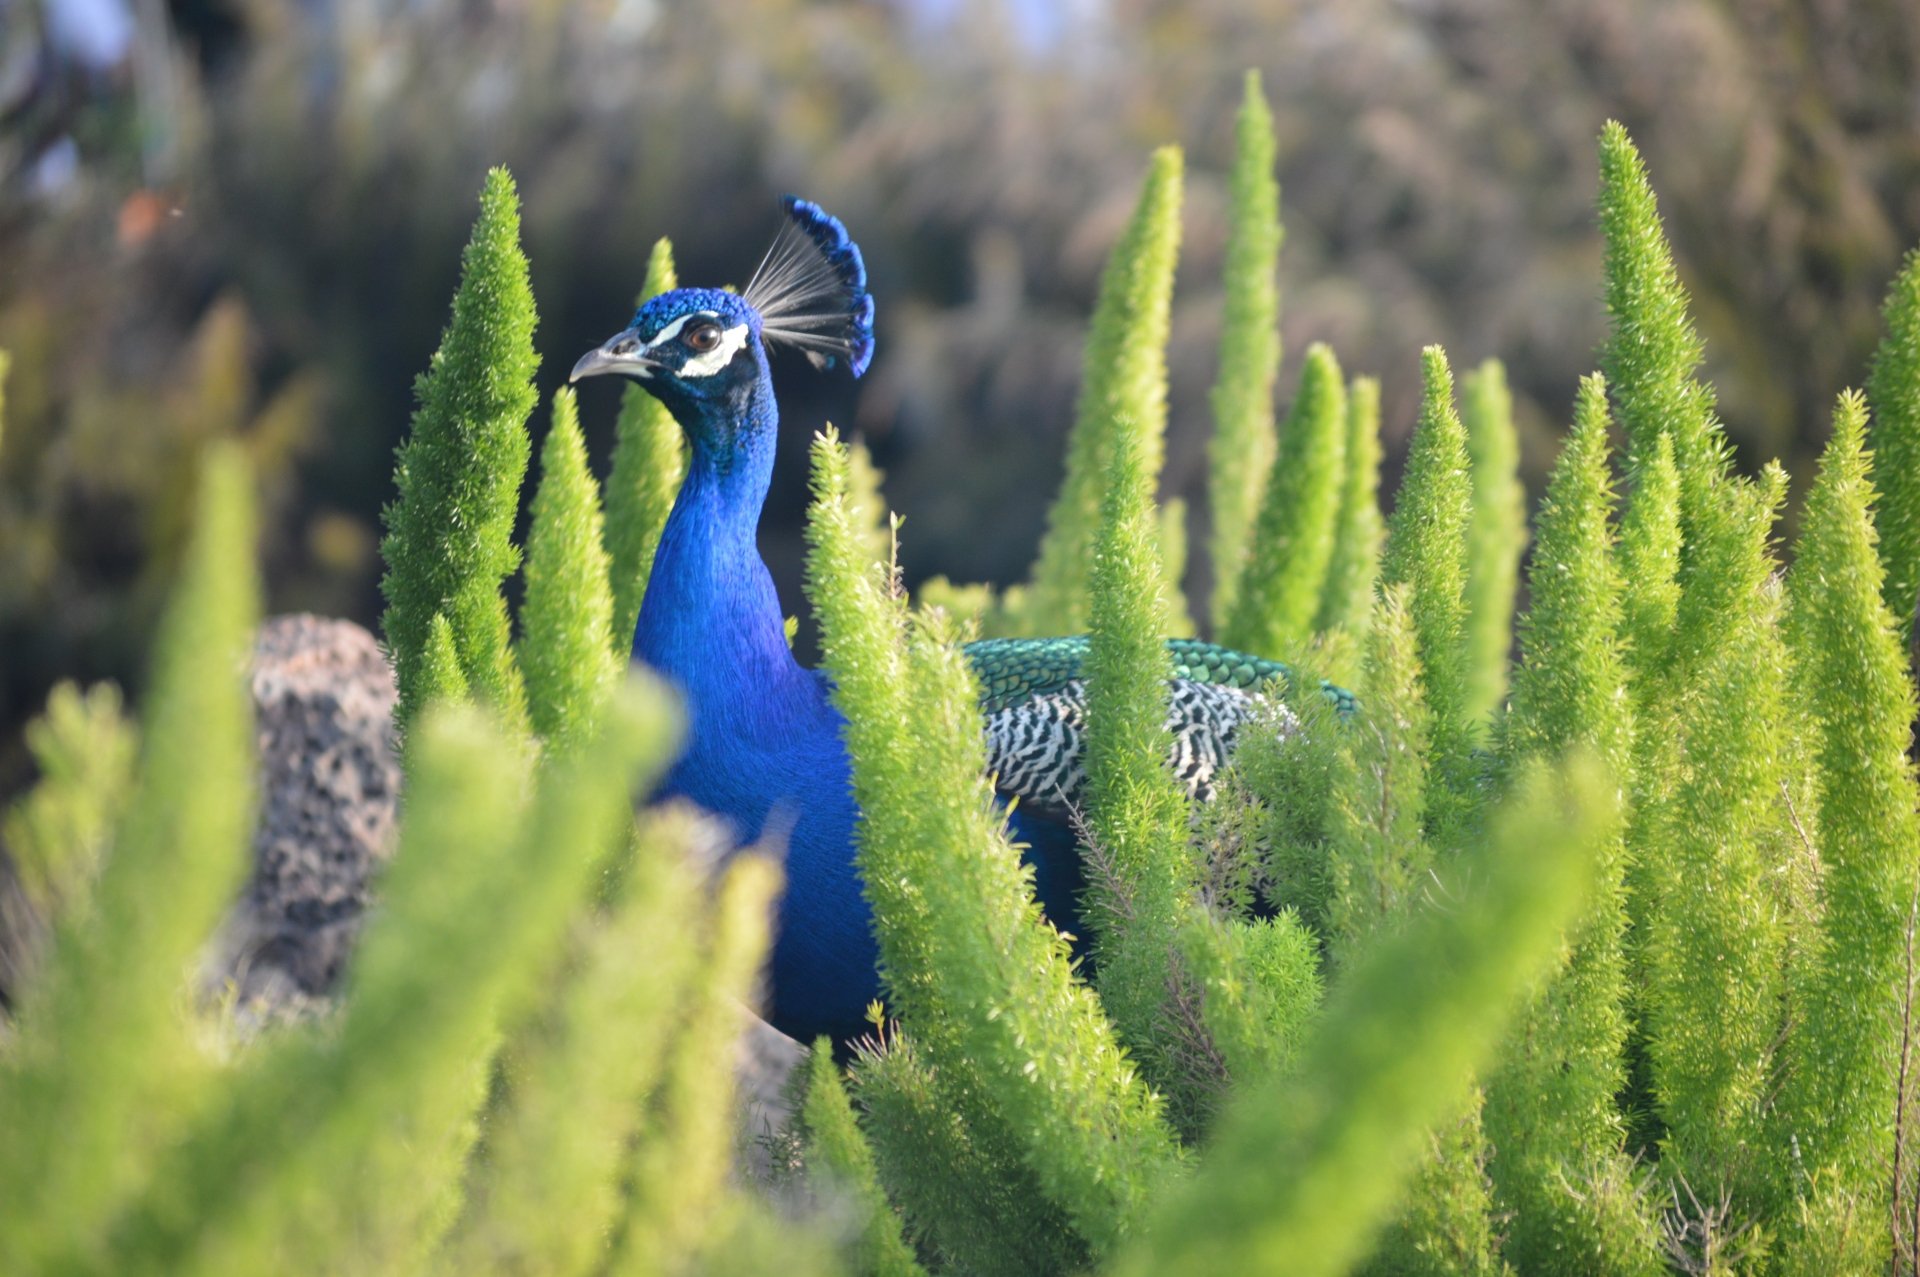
(267, 199)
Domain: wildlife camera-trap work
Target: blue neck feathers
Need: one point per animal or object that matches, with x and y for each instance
(711, 620)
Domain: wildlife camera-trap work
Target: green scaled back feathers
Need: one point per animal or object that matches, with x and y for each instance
(1012, 670)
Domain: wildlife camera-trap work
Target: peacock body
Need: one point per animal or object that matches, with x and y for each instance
(765, 748)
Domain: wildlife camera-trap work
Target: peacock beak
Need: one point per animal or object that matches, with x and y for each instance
(623, 352)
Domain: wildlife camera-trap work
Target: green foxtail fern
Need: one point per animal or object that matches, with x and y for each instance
(484, 883)
(1358, 530)
(1652, 353)
(1496, 533)
(110, 1069)
(544, 1194)
(1304, 1169)
(1240, 452)
(840, 1169)
(1142, 872)
(1893, 389)
(976, 1205)
(1650, 559)
(566, 649)
(679, 1175)
(975, 973)
(441, 678)
(1293, 539)
(58, 833)
(1123, 380)
(449, 543)
(649, 461)
(1426, 552)
(1550, 1099)
(1839, 1098)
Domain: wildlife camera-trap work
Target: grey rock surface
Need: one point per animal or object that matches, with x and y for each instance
(329, 791)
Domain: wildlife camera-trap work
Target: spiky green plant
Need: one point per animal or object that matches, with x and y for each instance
(1650, 559)
(1123, 383)
(544, 1195)
(566, 648)
(1426, 552)
(976, 1203)
(1550, 1100)
(1358, 529)
(841, 1169)
(1240, 452)
(1378, 859)
(1496, 532)
(484, 884)
(1840, 1095)
(1281, 587)
(58, 833)
(1716, 849)
(1893, 389)
(441, 678)
(109, 1072)
(449, 543)
(679, 1176)
(974, 971)
(1652, 353)
(1143, 879)
(1303, 1170)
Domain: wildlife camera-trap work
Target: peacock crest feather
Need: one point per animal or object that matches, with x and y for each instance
(811, 289)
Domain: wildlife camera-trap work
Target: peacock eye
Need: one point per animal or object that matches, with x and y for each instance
(702, 337)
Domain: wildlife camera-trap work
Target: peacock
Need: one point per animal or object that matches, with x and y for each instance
(765, 747)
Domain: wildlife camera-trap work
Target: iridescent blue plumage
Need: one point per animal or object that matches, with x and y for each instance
(765, 747)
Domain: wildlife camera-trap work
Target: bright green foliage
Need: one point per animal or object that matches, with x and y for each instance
(841, 1168)
(1840, 1094)
(1286, 784)
(1173, 568)
(972, 969)
(544, 1193)
(1123, 387)
(1142, 875)
(1358, 530)
(1281, 587)
(968, 1193)
(566, 647)
(649, 461)
(58, 834)
(1496, 534)
(1240, 453)
(1378, 861)
(1260, 985)
(1716, 848)
(1893, 389)
(1446, 1228)
(680, 1168)
(1650, 560)
(1426, 551)
(449, 542)
(1302, 1170)
(869, 508)
(108, 1069)
(483, 885)
(1652, 352)
(440, 676)
(1550, 1101)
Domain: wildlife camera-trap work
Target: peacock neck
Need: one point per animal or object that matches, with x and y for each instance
(711, 619)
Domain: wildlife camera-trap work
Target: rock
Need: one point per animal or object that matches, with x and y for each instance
(329, 787)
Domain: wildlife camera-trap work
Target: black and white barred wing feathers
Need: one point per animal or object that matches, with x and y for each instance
(1034, 698)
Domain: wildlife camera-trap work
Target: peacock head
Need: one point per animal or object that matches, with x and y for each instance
(702, 350)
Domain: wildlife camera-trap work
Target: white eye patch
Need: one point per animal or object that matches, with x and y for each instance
(719, 357)
(672, 330)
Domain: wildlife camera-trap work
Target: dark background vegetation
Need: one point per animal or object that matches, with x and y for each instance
(243, 218)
